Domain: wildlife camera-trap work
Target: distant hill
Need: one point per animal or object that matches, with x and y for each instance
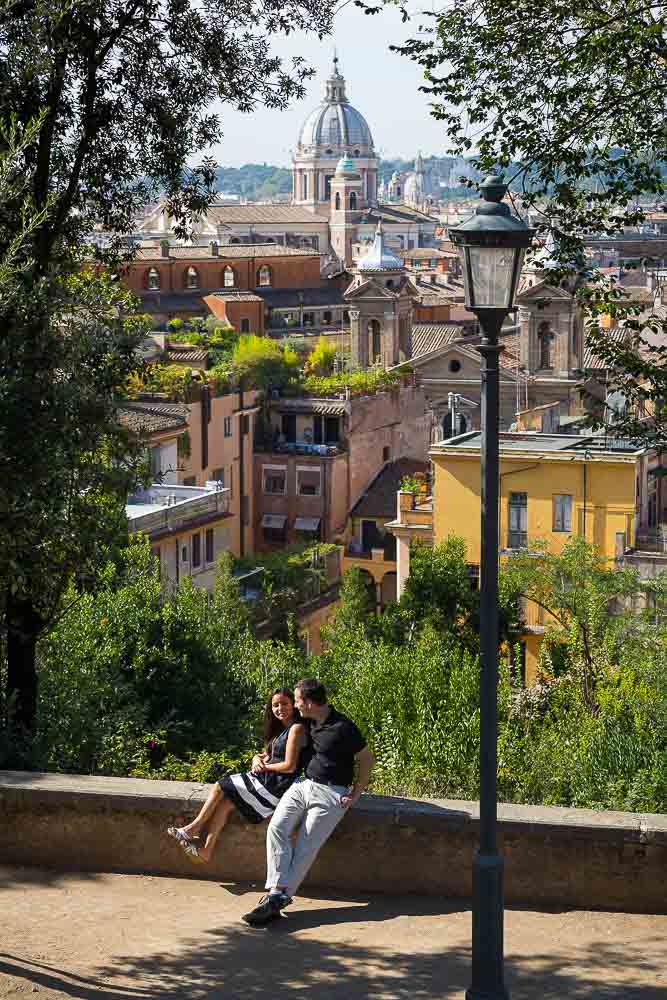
(260, 181)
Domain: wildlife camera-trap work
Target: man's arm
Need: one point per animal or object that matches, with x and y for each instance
(365, 761)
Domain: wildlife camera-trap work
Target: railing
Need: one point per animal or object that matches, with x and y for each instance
(653, 541)
(268, 444)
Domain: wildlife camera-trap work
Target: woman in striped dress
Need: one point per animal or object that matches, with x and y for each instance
(256, 793)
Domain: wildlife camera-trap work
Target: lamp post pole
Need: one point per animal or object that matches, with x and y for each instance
(487, 925)
(492, 244)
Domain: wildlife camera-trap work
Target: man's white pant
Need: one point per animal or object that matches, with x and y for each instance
(318, 808)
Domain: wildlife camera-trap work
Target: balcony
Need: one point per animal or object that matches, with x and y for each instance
(267, 443)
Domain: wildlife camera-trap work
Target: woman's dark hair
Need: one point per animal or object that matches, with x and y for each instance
(273, 727)
(313, 690)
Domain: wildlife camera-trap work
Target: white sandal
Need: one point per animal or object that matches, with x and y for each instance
(179, 836)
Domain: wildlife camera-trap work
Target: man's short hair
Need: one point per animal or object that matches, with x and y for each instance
(312, 690)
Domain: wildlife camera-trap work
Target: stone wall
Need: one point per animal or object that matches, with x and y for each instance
(563, 857)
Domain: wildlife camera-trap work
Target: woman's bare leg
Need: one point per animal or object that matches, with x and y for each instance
(214, 799)
(215, 828)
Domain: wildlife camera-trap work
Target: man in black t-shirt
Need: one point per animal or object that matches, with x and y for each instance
(318, 800)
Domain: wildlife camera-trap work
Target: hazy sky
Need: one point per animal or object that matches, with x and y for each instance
(380, 83)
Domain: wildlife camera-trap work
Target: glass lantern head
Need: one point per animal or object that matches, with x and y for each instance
(492, 245)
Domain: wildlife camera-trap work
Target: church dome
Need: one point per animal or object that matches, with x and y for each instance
(335, 125)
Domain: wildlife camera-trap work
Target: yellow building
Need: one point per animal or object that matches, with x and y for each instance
(552, 486)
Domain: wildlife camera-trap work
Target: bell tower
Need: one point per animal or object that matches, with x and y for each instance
(347, 201)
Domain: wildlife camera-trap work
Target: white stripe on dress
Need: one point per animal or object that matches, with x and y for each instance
(264, 792)
(252, 800)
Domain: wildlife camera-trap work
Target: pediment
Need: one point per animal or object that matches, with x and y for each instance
(541, 291)
(370, 289)
(436, 365)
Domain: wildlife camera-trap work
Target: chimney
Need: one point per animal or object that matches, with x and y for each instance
(164, 248)
(214, 248)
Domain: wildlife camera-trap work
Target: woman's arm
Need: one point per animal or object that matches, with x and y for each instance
(295, 742)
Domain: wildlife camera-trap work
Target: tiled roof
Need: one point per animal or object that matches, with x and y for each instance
(160, 302)
(591, 359)
(396, 213)
(433, 297)
(379, 500)
(231, 251)
(285, 298)
(249, 214)
(150, 418)
(427, 337)
(426, 253)
(230, 295)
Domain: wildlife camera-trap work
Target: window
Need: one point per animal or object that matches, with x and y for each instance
(562, 513)
(389, 282)
(190, 481)
(309, 319)
(331, 430)
(245, 326)
(275, 479)
(209, 545)
(307, 482)
(153, 279)
(375, 345)
(196, 550)
(184, 553)
(218, 475)
(353, 201)
(455, 366)
(386, 453)
(227, 427)
(337, 202)
(327, 317)
(192, 278)
(155, 459)
(228, 277)
(304, 186)
(518, 521)
(545, 336)
(652, 500)
(264, 276)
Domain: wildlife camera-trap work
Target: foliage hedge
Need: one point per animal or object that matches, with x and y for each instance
(136, 681)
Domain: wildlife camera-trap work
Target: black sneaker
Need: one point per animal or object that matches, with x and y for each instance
(268, 909)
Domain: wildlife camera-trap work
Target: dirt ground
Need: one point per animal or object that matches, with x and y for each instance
(131, 937)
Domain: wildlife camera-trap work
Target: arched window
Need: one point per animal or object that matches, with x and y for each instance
(375, 339)
(304, 186)
(389, 283)
(228, 277)
(353, 201)
(356, 152)
(337, 200)
(153, 279)
(545, 336)
(235, 239)
(398, 191)
(264, 276)
(192, 277)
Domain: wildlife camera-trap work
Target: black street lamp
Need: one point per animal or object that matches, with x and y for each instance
(492, 244)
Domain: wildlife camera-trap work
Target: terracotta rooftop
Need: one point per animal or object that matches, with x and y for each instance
(427, 337)
(144, 417)
(232, 251)
(426, 253)
(379, 500)
(249, 214)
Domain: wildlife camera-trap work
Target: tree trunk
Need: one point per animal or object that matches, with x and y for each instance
(23, 628)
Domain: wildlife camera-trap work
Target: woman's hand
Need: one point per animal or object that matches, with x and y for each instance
(257, 765)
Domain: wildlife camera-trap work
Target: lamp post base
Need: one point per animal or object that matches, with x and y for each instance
(487, 929)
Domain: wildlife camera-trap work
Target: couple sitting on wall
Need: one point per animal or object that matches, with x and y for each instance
(304, 776)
